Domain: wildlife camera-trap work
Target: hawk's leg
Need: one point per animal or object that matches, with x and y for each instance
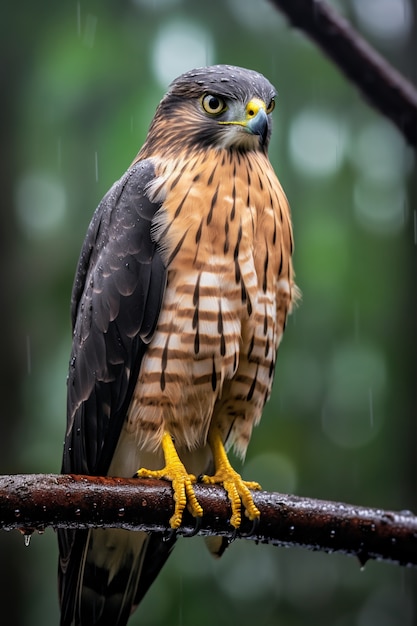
(237, 488)
(182, 482)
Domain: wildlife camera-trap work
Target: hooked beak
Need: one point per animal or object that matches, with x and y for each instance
(259, 125)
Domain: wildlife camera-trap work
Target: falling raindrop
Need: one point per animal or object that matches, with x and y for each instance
(371, 407)
(96, 164)
(59, 153)
(90, 30)
(356, 321)
(28, 355)
(79, 19)
(415, 227)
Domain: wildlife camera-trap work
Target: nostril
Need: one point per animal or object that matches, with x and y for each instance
(251, 112)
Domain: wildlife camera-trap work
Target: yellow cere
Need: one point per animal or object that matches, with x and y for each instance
(253, 107)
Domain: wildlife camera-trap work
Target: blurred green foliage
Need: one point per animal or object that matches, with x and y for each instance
(81, 82)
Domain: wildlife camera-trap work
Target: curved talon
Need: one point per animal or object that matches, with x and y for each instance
(253, 529)
(196, 529)
(169, 535)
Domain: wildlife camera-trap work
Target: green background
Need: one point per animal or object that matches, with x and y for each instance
(80, 82)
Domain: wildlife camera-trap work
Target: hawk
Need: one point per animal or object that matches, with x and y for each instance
(179, 303)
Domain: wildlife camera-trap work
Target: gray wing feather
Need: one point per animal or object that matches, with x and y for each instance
(116, 301)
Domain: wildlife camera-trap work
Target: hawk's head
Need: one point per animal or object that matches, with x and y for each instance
(220, 106)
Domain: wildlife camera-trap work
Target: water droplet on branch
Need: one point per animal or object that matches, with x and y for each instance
(363, 558)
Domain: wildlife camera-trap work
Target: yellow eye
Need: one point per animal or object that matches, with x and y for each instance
(271, 106)
(213, 104)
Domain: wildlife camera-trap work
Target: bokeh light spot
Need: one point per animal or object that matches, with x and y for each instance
(180, 46)
(390, 20)
(157, 5)
(380, 153)
(258, 16)
(40, 204)
(380, 209)
(275, 472)
(236, 575)
(317, 143)
(311, 582)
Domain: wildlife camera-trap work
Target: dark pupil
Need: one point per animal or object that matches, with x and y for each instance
(214, 102)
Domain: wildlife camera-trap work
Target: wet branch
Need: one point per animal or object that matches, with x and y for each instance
(35, 501)
(382, 85)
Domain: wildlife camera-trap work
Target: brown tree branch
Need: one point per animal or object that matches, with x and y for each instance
(379, 82)
(35, 501)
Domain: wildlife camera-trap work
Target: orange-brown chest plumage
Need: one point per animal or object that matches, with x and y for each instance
(224, 228)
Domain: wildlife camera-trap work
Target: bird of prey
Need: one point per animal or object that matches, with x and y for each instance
(179, 303)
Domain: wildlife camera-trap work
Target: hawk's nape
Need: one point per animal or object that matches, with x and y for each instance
(179, 303)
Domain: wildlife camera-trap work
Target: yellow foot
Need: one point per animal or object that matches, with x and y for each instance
(182, 482)
(237, 488)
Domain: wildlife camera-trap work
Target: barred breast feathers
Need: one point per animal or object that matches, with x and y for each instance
(227, 244)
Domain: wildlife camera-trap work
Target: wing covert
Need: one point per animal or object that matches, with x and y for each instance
(116, 299)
